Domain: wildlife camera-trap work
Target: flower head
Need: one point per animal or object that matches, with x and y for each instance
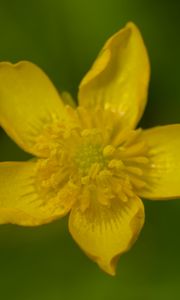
(90, 161)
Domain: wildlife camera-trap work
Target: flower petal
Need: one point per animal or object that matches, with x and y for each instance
(119, 78)
(28, 100)
(163, 175)
(20, 202)
(104, 233)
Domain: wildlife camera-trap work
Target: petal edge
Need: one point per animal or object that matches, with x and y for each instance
(20, 202)
(163, 174)
(28, 99)
(106, 233)
(118, 80)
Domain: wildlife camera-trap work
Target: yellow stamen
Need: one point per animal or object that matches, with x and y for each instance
(108, 151)
(87, 165)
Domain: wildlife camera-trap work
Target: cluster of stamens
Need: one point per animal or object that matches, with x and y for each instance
(90, 159)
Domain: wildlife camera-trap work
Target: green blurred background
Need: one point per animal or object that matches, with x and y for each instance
(64, 37)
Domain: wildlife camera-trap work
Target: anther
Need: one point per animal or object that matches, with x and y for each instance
(108, 151)
(116, 164)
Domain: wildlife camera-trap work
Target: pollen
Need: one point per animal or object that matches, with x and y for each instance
(90, 161)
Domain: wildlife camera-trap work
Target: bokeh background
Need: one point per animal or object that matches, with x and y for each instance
(63, 37)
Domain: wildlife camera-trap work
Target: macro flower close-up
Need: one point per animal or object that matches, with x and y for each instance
(89, 160)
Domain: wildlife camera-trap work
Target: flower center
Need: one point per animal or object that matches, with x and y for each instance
(88, 154)
(90, 159)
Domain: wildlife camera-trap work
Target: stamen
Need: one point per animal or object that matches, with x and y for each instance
(123, 197)
(140, 159)
(104, 197)
(103, 178)
(84, 117)
(134, 150)
(120, 137)
(131, 138)
(84, 199)
(90, 159)
(134, 170)
(94, 170)
(108, 151)
(137, 183)
(116, 164)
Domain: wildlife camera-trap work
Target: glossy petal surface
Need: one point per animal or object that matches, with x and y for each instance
(20, 202)
(118, 80)
(28, 102)
(164, 172)
(104, 233)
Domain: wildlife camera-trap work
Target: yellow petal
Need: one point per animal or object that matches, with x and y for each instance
(28, 100)
(118, 80)
(104, 233)
(163, 175)
(20, 202)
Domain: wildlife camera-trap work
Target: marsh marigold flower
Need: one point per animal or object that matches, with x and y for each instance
(90, 161)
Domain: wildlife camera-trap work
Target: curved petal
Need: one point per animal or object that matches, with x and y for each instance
(118, 80)
(104, 233)
(163, 175)
(20, 202)
(28, 100)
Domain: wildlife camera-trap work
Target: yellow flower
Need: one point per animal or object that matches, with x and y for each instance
(90, 160)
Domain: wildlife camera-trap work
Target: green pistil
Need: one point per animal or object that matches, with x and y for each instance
(87, 155)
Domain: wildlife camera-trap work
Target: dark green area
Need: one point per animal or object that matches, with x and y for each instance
(64, 37)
